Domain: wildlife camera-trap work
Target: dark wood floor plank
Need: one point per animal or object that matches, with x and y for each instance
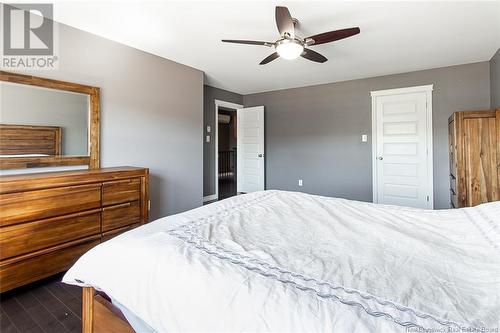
(227, 188)
(40, 315)
(6, 325)
(46, 298)
(35, 329)
(66, 298)
(73, 290)
(69, 321)
(75, 306)
(58, 309)
(47, 306)
(19, 317)
(48, 322)
(58, 291)
(27, 300)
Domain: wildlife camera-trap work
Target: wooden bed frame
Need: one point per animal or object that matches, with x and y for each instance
(99, 315)
(28, 139)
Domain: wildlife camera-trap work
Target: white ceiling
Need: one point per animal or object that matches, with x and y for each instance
(395, 37)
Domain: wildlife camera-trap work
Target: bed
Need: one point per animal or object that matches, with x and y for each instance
(292, 262)
(23, 145)
(29, 140)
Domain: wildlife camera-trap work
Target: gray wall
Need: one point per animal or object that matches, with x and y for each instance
(210, 94)
(27, 105)
(495, 80)
(152, 114)
(314, 133)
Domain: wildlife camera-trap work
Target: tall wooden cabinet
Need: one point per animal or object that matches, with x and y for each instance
(474, 148)
(48, 220)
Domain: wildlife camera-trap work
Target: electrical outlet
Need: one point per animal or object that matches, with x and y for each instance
(209, 129)
(300, 182)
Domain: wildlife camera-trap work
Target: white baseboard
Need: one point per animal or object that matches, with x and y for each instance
(210, 198)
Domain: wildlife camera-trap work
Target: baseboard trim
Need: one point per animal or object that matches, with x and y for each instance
(210, 198)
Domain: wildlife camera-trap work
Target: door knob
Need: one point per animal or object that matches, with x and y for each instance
(261, 155)
(380, 158)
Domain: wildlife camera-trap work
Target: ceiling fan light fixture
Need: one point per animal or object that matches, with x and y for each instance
(289, 48)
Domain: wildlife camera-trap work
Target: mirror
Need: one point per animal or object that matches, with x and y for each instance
(46, 122)
(42, 122)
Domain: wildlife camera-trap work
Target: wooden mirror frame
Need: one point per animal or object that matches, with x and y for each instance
(92, 160)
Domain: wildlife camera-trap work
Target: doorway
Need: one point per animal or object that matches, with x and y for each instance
(226, 149)
(402, 147)
(239, 160)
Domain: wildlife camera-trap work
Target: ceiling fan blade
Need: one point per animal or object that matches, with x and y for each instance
(270, 58)
(248, 42)
(284, 22)
(313, 56)
(331, 36)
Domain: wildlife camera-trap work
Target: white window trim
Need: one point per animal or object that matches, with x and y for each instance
(430, 156)
(224, 104)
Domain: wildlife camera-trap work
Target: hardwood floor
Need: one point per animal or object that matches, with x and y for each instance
(46, 306)
(227, 188)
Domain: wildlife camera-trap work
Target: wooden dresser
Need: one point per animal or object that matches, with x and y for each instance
(474, 149)
(48, 220)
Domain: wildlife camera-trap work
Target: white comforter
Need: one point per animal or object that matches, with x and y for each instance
(285, 261)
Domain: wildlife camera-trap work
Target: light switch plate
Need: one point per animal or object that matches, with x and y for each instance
(209, 129)
(364, 138)
(208, 138)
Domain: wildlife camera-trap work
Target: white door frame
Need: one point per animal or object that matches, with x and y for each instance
(428, 90)
(228, 105)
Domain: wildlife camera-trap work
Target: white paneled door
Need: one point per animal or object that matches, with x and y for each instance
(250, 160)
(402, 156)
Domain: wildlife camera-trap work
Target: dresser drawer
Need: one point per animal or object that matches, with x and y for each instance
(27, 237)
(115, 232)
(41, 204)
(121, 191)
(120, 215)
(36, 266)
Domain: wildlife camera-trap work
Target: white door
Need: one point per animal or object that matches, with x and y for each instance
(250, 140)
(403, 147)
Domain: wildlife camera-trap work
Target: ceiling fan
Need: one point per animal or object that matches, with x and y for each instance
(290, 46)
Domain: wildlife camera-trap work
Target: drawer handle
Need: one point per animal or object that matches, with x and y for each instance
(124, 181)
(127, 204)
